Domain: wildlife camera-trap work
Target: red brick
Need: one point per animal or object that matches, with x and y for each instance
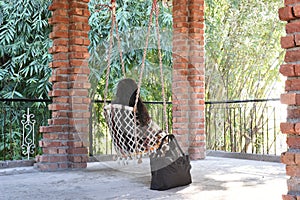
(288, 197)
(77, 92)
(58, 5)
(76, 11)
(81, 150)
(286, 13)
(53, 158)
(74, 4)
(58, 19)
(52, 129)
(86, 13)
(197, 153)
(297, 39)
(58, 49)
(60, 56)
(61, 100)
(63, 165)
(56, 64)
(76, 159)
(292, 55)
(60, 27)
(297, 128)
(51, 144)
(79, 63)
(76, 26)
(296, 10)
(287, 70)
(288, 158)
(80, 19)
(297, 69)
(292, 85)
(288, 98)
(59, 107)
(78, 121)
(292, 170)
(58, 121)
(61, 85)
(290, 2)
(58, 34)
(293, 141)
(78, 48)
(287, 42)
(293, 113)
(58, 78)
(80, 107)
(293, 27)
(60, 42)
(86, 42)
(78, 77)
(59, 92)
(77, 55)
(297, 158)
(79, 115)
(75, 144)
(81, 85)
(50, 136)
(62, 151)
(60, 12)
(77, 33)
(79, 41)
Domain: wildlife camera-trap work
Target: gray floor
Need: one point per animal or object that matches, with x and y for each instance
(213, 178)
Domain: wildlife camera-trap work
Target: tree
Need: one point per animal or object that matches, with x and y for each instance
(24, 44)
(24, 70)
(243, 55)
(243, 52)
(132, 19)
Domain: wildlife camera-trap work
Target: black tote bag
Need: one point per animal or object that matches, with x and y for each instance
(170, 167)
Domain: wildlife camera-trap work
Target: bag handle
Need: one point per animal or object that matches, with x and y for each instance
(171, 137)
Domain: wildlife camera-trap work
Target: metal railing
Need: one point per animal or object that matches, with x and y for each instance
(20, 120)
(250, 126)
(233, 126)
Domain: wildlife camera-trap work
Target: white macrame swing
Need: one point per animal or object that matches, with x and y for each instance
(130, 139)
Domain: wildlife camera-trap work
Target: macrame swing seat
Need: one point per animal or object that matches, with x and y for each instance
(131, 138)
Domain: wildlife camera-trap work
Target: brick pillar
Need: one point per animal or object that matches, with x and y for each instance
(64, 140)
(188, 76)
(291, 97)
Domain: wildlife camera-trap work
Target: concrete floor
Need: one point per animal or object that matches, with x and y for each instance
(214, 178)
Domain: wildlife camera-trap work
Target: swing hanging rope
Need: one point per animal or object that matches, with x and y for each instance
(119, 117)
(111, 35)
(155, 9)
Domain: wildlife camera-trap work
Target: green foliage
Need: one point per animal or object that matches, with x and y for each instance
(24, 44)
(24, 70)
(243, 53)
(132, 19)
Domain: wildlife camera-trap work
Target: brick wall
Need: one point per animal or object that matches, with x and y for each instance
(64, 140)
(291, 69)
(188, 76)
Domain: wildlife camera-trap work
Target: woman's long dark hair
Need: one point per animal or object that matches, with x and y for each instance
(126, 95)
